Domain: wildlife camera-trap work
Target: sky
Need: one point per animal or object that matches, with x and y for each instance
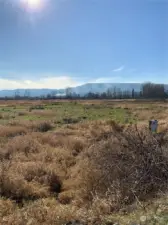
(63, 43)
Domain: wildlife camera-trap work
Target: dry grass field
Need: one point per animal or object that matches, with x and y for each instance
(83, 162)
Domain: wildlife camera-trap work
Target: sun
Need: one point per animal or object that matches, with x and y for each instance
(33, 4)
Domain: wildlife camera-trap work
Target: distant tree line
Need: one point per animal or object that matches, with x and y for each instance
(148, 90)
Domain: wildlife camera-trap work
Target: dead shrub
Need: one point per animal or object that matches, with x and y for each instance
(22, 113)
(129, 165)
(74, 145)
(7, 207)
(66, 197)
(103, 129)
(24, 144)
(71, 120)
(4, 155)
(14, 186)
(41, 126)
(100, 206)
(44, 175)
(54, 140)
(45, 211)
(28, 180)
(57, 158)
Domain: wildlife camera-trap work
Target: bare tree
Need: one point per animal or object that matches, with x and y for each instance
(150, 90)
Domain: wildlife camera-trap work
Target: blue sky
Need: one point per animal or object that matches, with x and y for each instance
(70, 42)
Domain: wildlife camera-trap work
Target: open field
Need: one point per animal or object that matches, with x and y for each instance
(89, 161)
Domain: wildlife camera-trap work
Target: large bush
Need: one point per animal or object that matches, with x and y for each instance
(126, 166)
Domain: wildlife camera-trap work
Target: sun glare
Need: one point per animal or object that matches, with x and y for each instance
(33, 4)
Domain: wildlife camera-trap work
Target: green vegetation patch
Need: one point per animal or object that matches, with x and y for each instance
(67, 112)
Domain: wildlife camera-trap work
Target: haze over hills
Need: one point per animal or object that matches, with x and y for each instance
(103, 87)
(80, 90)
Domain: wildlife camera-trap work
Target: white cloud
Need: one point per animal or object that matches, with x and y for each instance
(49, 82)
(119, 69)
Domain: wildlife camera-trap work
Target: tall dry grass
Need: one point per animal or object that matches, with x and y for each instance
(59, 176)
(8, 131)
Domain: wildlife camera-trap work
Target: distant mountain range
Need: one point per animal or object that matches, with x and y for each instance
(81, 90)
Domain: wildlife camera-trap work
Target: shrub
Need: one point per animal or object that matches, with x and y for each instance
(21, 144)
(42, 126)
(128, 165)
(71, 120)
(22, 113)
(37, 107)
(66, 197)
(45, 211)
(1, 116)
(74, 145)
(40, 173)
(15, 187)
(28, 181)
(7, 207)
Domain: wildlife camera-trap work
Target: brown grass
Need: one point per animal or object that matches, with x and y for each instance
(43, 113)
(80, 171)
(29, 126)
(9, 131)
